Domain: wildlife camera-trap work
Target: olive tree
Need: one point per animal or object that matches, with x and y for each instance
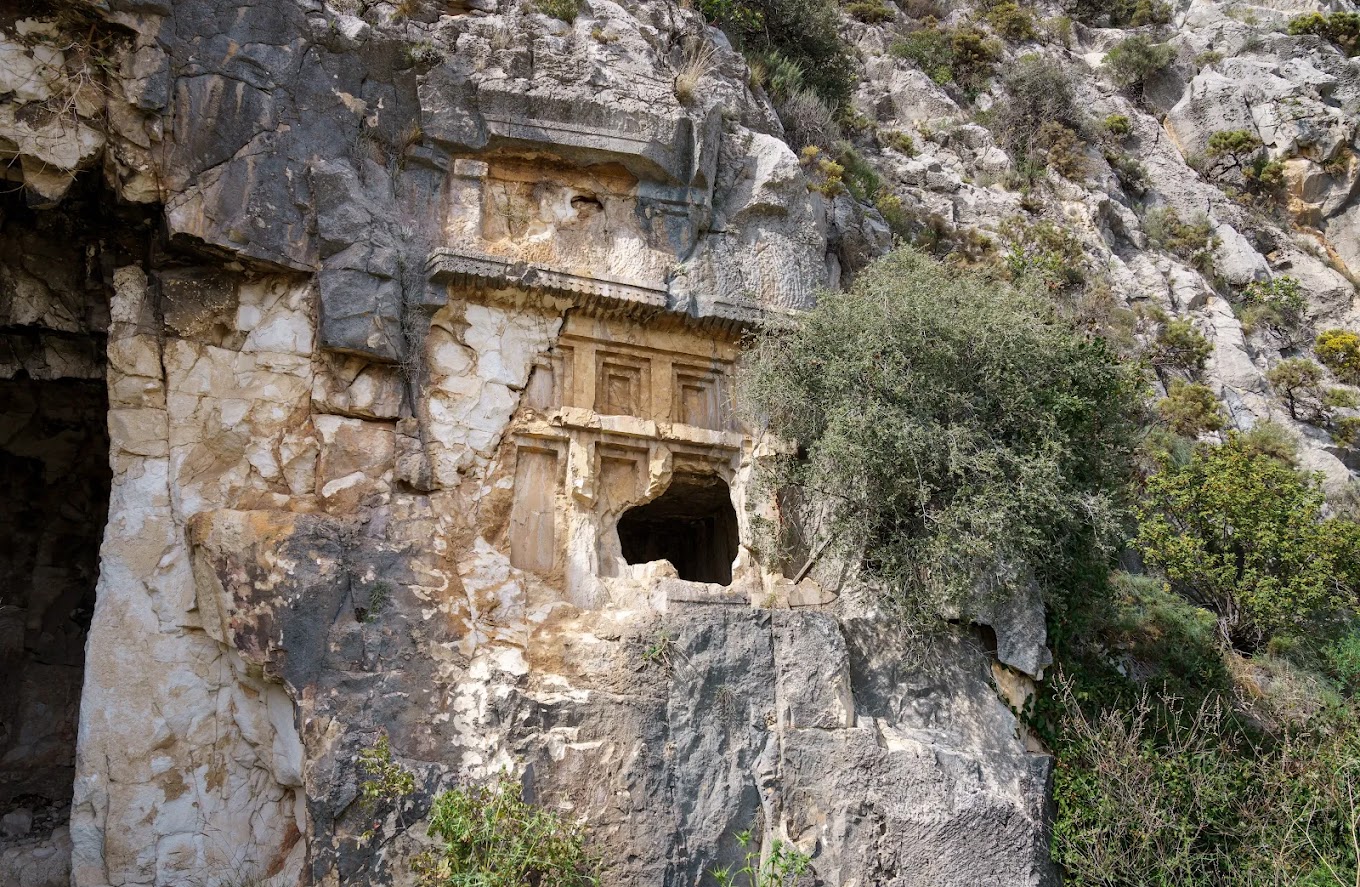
(961, 434)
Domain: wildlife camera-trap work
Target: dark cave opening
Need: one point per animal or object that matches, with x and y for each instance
(54, 499)
(692, 524)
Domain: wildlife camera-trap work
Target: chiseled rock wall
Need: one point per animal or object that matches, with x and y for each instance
(437, 300)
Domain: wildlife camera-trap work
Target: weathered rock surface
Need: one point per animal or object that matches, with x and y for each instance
(409, 317)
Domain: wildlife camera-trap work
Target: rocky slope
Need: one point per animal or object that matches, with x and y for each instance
(408, 312)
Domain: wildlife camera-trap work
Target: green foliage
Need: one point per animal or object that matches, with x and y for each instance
(1012, 21)
(1135, 59)
(780, 869)
(1063, 150)
(1117, 125)
(1194, 241)
(383, 779)
(860, 177)
(1339, 351)
(964, 437)
(1208, 58)
(899, 141)
(870, 11)
(806, 33)
(1233, 143)
(1301, 383)
(490, 837)
(963, 55)
(1342, 28)
(1118, 13)
(566, 10)
(1038, 120)
(1242, 535)
(1179, 346)
(1190, 409)
(1184, 794)
(1276, 305)
(1046, 254)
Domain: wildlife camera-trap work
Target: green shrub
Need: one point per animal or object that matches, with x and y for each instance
(859, 175)
(1046, 254)
(963, 55)
(1339, 351)
(566, 10)
(1242, 535)
(870, 11)
(965, 437)
(1190, 409)
(1277, 304)
(1194, 242)
(1038, 94)
(1135, 59)
(1117, 13)
(1012, 21)
(1342, 28)
(781, 868)
(1208, 58)
(1181, 347)
(1300, 382)
(1117, 125)
(490, 837)
(1185, 794)
(805, 32)
(899, 141)
(1063, 150)
(1132, 175)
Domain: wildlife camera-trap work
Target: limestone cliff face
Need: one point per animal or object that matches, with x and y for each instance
(418, 331)
(416, 326)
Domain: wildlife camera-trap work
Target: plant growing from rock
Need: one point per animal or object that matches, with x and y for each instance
(1276, 305)
(1302, 385)
(1117, 126)
(1243, 535)
(1339, 351)
(780, 869)
(924, 401)
(1190, 409)
(1341, 28)
(566, 10)
(1134, 60)
(1063, 150)
(1012, 21)
(963, 55)
(1194, 242)
(695, 65)
(490, 836)
(899, 141)
(1180, 347)
(870, 11)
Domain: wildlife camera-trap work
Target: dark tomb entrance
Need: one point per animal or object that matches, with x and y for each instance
(692, 524)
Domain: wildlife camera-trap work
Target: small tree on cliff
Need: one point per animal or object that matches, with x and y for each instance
(963, 435)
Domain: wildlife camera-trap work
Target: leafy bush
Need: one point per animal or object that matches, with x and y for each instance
(1242, 535)
(1193, 242)
(1135, 59)
(1117, 13)
(805, 32)
(780, 869)
(1300, 382)
(870, 11)
(963, 55)
(1117, 125)
(1179, 346)
(566, 10)
(1187, 794)
(1012, 21)
(1063, 150)
(1038, 92)
(964, 438)
(1277, 305)
(490, 837)
(1342, 28)
(1046, 254)
(1339, 351)
(1190, 409)
(860, 177)
(899, 141)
